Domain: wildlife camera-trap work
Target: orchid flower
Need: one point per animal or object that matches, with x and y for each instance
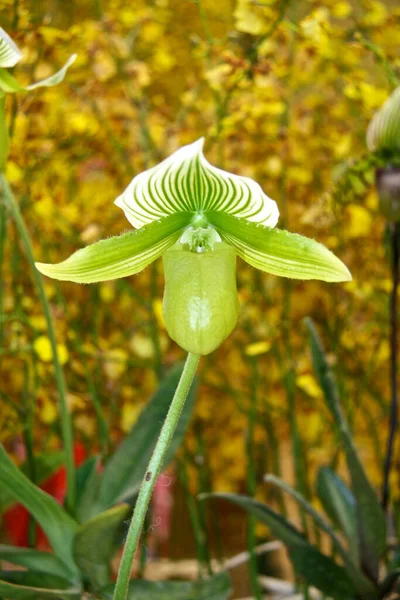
(383, 132)
(198, 218)
(383, 139)
(10, 55)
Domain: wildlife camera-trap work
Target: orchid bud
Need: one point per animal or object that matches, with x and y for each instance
(388, 185)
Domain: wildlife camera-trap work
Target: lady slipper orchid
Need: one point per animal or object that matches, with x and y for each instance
(10, 54)
(199, 218)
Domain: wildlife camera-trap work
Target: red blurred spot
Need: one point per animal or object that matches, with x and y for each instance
(16, 518)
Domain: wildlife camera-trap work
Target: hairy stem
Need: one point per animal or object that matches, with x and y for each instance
(66, 424)
(150, 478)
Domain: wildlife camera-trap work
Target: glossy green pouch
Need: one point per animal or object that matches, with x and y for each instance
(200, 305)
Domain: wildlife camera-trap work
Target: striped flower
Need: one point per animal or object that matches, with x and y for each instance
(384, 130)
(9, 56)
(199, 219)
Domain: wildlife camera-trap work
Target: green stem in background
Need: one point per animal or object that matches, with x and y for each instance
(3, 233)
(27, 420)
(253, 52)
(252, 481)
(205, 484)
(103, 429)
(98, 10)
(395, 248)
(380, 57)
(150, 478)
(66, 423)
(197, 528)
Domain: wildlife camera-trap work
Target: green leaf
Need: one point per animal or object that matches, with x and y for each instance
(288, 534)
(384, 130)
(59, 527)
(340, 505)
(218, 587)
(33, 559)
(10, 54)
(96, 542)
(185, 181)
(30, 586)
(123, 473)
(8, 83)
(84, 476)
(55, 78)
(371, 522)
(362, 585)
(323, 573)
(279, 252)
(87, 495)
(45, 465)
(279, 526)
(119, 256)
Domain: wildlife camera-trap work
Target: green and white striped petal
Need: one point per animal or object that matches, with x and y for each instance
(384, 130)
(10, 54)
(279, 252)
(9, 85)
(119, 256)
(54, 79)
(186, 181)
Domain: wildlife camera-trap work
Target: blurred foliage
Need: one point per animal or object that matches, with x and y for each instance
(283, 92)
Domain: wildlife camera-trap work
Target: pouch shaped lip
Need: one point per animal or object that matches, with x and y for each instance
(200, 305)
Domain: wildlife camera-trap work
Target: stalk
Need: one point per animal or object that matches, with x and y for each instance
(252, 482)
(197, 527)
(66, 422)
(394, 410)
(150, 478)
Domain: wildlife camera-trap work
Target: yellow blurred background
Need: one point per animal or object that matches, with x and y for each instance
(283, 92)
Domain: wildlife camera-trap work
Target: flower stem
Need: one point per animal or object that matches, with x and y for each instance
(66, 424)
(150, 478)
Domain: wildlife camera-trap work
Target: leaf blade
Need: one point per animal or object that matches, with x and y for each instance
(279, 526)
(15, 591)
(370, 516)
(59, 527)
(32, 559)
(218, 587)
(95, 544)
(339, 504)
(361, 584)
(322, 572)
